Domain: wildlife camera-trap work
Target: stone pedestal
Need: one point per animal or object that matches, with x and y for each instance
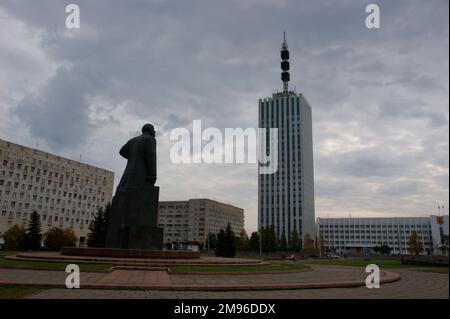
(134, 219)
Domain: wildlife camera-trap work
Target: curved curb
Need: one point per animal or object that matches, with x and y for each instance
(228, 273)
(53, 269)
(135, 261)
(155, 268)
(152, 267)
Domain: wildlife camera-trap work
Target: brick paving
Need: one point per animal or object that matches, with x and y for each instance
(26, 276)
(414, 284)
(135, 277)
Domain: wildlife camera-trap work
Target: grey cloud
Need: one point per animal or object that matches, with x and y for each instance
(59, 114)
(401, 188)
(408, 108)
(362, 164)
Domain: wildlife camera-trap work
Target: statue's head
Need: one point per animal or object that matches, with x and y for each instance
(148, 128)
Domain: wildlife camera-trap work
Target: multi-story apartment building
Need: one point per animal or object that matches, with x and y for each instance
(192, 220)
(352, 235)
(65, 193)
(286, 197)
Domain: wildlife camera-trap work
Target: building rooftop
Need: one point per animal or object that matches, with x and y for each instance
(54, 155)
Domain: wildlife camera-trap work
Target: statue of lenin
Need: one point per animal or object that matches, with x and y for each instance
(133, 220)
(140, 152)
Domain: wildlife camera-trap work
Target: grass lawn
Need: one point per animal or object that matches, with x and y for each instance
(439, 270)
(17, 292)
(275, 266)
(383, 263)
(7, 253)
(252, 257)
(24, 264)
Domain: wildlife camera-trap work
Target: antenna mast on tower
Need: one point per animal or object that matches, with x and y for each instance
(285, 77)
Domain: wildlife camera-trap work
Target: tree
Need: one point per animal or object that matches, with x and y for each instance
(283, 242)
(385, 250)
(382, 250)
(212, 240)
(308, 245)
(243, 242)
(230, 242)
(254, 241)
(295, 244)
(271, 239)
(415, 247)
(15, 238)
(331, 249)
(55, 238)
(33, 233)
(376, 249)
(70, 239)
(225, 246)
(220, 244)
(264, 237)
(98, 228)
(322, 243)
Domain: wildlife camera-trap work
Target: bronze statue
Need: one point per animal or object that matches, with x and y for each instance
(140, 152)
(133, 220)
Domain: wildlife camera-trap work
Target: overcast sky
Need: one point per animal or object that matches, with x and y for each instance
(379, 97)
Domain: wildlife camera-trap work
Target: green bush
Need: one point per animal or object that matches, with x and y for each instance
(55, 238)
(70, 239)
(15, 238)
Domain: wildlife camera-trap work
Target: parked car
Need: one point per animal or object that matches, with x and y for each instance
(332, 256)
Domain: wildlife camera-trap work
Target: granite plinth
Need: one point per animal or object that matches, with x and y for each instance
(129, 253)
(145, 237)
(133, 220)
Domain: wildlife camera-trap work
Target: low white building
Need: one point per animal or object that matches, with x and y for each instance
(352, 235)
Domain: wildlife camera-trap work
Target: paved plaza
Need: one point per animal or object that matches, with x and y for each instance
(414, 284)
(342, 282)
(161, 279)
